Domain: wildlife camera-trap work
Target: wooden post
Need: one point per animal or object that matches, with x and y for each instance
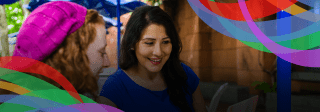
(4, 31)
(24, 10)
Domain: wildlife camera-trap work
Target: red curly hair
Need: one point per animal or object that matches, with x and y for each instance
(71, 60)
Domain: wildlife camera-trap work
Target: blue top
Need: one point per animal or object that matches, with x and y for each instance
(129, 96)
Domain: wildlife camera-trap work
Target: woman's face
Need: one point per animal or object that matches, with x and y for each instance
(153, 49)
(97, 53)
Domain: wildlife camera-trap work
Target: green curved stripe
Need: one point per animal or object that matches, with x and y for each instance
(258, 46)
(57, 95)
(24, 80)
(303, 43)
(10, 107)
(29, 82)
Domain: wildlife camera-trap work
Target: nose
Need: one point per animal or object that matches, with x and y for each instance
(106, 61)
(157, 50)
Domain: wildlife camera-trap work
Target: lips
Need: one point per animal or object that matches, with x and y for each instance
(155, 61)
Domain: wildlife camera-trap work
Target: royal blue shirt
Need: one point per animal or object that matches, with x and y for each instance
(131, 97)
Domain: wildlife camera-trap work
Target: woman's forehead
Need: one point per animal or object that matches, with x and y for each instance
(154, 31)
(154, 26)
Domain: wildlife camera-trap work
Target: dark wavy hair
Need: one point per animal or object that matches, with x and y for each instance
(173, 73)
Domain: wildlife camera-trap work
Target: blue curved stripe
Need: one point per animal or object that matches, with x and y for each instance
(30, 101)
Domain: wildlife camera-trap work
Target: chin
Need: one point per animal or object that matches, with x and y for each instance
(154, 69)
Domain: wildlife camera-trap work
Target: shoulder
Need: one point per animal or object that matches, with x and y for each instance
(112, 83)
(113, 88)
(193, 79)
(185, 67)
(115, 78)
(190, 73)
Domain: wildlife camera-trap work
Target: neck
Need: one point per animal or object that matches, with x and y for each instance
(144, 73)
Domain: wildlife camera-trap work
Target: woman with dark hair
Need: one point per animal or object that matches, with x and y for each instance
(152, 78)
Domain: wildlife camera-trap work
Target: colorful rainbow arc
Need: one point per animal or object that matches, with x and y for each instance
(253, 33)
(233, 11)
(29, 85)
(29, 65)
(36, 94)
(31, 100)
(235, 28)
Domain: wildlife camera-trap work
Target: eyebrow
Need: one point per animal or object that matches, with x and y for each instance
(155, 39)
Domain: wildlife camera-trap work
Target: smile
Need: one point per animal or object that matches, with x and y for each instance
(155, 62)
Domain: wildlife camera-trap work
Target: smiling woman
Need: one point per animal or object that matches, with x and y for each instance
(151, 76)
(153, 50)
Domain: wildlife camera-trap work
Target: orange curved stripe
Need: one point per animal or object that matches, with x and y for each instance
(13, 88)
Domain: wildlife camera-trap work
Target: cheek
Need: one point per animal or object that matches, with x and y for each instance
(94, 56)
(168, 49)
(95, 59)
(142, 50)
(141, 54)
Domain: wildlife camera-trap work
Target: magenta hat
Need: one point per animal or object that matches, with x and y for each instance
(46, 27)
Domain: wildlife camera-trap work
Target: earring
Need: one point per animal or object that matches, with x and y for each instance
(132, 49)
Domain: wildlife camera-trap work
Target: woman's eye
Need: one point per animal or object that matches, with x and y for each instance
(149, 43)
(102, 54)
(166, 42)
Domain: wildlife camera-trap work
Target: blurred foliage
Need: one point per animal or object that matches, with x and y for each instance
(264, 86)
(14, 17)
(154, 2)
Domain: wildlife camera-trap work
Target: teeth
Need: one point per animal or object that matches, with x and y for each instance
(156, 60)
